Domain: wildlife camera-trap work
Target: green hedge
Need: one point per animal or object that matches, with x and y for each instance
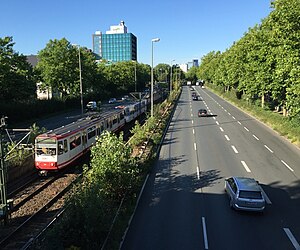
(31, 109)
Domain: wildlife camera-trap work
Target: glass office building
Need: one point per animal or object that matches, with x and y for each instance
(116, 45)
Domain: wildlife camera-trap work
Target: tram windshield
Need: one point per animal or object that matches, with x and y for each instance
(46, 146)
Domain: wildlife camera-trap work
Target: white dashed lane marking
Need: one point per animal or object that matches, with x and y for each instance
(234, 149)
(266, 197)
(246, 167)
(246, 129)
(292, 238)
(204, 233)
(227, 138)
(268, 148)
(255, 137)
(284, 163)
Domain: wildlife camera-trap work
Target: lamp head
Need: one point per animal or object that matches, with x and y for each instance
(155, 40)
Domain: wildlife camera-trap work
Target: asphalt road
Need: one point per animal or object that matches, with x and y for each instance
(183, 205)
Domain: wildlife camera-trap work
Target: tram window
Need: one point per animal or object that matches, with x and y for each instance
(91, 134)
(60, 147)
(75, 141)
(46, 151)
(115, 120)
(65, 145)
(98, 131)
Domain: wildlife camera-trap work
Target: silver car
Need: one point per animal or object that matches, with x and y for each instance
(244, 194)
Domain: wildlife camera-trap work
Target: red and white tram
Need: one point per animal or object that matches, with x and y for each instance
(134, 110)
(60, 147)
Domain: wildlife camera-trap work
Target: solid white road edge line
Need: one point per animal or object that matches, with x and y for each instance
(287, 165)
(246, 167)
(135, 208)
(234, 149)
(292, 238)
(268, 148)
(204, 233)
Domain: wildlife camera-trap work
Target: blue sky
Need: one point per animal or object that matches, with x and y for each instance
(188, 29)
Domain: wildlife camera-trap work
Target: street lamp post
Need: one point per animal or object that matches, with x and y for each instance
(80, 79)
(152, 41)
(171, 76)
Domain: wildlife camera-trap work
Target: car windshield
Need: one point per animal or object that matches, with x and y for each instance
(250, 194)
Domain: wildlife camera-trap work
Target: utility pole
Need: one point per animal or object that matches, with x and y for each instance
(3, 174)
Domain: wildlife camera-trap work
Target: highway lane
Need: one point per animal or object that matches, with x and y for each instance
(199, 153)
(167, 217)
(263, 165)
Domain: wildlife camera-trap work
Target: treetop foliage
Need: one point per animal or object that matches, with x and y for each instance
(112, 166)
(265, 63)
(17, 80)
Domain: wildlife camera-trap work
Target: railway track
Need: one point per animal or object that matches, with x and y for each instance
(37, 203)
(34, 211)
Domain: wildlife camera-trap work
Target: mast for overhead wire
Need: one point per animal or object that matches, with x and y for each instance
(3, 175)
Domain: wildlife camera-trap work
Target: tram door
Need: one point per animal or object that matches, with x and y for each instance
(84, 141)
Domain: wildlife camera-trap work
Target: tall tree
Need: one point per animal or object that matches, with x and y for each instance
(17, 79)
(59, 67)
(162, 72)
(119, 78)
